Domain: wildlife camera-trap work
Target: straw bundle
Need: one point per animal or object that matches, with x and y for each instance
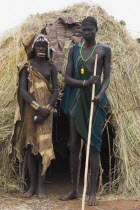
(123, 93)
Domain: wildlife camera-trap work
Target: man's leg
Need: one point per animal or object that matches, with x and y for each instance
(32, 174)
(41, 180)
(75, 145)
(94, 162)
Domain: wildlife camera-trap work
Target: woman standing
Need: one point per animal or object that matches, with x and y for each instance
(37, 94)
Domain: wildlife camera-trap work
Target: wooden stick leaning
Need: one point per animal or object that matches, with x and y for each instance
(89, 135)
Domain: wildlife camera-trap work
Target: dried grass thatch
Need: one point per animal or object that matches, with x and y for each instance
(123, 93)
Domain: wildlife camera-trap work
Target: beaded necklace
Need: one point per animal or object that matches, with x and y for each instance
(82, 70)
(90, 45)
(89, 55)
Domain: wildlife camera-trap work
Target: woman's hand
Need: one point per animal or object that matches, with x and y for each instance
(43, 112)
(38, 119)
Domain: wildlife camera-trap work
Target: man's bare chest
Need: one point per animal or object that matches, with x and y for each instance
(88, 59)
(89, 65)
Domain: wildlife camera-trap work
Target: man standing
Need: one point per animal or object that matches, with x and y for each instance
(77, 100)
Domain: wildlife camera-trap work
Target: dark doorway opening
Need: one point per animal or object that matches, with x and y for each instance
(59, 168)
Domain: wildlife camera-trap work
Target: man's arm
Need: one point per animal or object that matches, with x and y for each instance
(69, 80)
(106, 73)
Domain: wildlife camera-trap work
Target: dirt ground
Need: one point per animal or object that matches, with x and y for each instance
(57, 185)
(52, 203)
(54, 190)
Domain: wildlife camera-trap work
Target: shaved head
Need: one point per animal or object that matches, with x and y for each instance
(90, 21)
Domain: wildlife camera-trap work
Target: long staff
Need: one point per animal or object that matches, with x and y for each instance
(89, 135)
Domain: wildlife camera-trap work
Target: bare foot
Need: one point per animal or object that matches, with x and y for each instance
(92, 201)
(41, 194)
(29, 193)
(70, 196)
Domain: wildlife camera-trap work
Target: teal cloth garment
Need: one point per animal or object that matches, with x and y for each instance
(76, 103)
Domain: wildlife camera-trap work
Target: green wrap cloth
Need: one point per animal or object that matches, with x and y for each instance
(76, 103)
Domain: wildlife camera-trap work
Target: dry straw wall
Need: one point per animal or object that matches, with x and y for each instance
(123, 92)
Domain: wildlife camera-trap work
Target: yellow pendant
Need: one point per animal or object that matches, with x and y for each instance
(82, 71)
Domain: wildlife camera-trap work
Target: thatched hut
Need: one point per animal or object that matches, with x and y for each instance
(124, 96)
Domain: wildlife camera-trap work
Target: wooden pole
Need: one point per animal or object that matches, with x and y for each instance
(89, 135)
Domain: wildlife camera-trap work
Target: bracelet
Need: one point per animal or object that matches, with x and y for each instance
(84, 82)
(34, 105)
(49, 107)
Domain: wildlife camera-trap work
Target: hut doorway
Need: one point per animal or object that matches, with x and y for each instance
(59, 169)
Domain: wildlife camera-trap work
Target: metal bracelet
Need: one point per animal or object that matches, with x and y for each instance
(34, 105)
(84, 82)
(49, 107)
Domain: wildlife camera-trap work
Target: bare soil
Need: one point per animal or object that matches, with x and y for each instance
(57, 185)
(56, 189)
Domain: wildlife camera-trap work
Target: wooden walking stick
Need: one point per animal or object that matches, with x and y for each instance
(89, 135)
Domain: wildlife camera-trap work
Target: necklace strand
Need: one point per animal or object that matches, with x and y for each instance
(90, 45)
(89, 55)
